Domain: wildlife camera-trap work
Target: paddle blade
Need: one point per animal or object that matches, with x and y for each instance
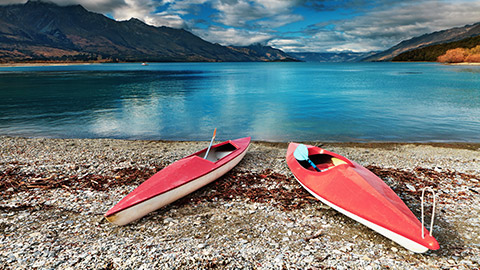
(214, 133)
(301, 153)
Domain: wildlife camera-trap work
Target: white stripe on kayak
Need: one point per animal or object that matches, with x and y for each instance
(401, 240)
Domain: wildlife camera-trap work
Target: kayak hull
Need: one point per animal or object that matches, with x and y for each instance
(178, 180)
(359, 194)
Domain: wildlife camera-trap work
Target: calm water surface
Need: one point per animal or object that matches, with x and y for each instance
(268, 101)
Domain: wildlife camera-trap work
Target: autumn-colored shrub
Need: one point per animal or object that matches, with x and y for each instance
(474, 58)
(459, 55)
(453, 56)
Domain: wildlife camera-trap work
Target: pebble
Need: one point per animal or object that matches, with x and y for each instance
(65, 229)
(411, 188)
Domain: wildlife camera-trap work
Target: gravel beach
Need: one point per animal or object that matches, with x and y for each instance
(54, 193)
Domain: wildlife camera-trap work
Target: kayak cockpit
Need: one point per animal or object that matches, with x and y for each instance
(217, 153)
(322, 161)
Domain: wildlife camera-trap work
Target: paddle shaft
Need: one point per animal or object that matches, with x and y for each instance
(211, 142)
(313, 165)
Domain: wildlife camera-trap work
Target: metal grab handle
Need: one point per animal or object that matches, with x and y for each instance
(433, 211)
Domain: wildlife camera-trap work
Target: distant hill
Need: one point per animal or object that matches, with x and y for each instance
(41, 31)
(431, 53)
(445, 36)
(264, 53)
(330, 56)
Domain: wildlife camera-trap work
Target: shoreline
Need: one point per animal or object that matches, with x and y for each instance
(47, 64)
(464, 64)
(365, 144)
(256, 216)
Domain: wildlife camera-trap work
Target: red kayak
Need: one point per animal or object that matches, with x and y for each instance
(178, 180)
(359, 194)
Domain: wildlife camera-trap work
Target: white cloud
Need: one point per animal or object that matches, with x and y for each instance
(145, 10)
(245, 13)
(184, 6)
(140, 9)
(10, 2)
(101, 6)
(280, 20)
(166, 19)
(289, 44)
(372, 25)
(386, 26)
(232, 36)
(377, 26)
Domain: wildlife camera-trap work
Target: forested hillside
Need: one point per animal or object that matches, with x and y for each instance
(433, 52)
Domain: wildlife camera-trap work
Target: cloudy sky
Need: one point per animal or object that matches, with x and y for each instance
(295, 25)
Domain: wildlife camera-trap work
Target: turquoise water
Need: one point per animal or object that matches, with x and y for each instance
(269, 101)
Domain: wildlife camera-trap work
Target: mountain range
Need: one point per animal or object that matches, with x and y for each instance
(42, 31)
(440, 37)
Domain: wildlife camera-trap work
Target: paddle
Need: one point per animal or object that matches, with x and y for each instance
(301, 153)
(211, 142)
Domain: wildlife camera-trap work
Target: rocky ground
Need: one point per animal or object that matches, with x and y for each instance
(54, 193)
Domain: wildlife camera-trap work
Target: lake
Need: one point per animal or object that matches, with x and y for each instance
(400, 102)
